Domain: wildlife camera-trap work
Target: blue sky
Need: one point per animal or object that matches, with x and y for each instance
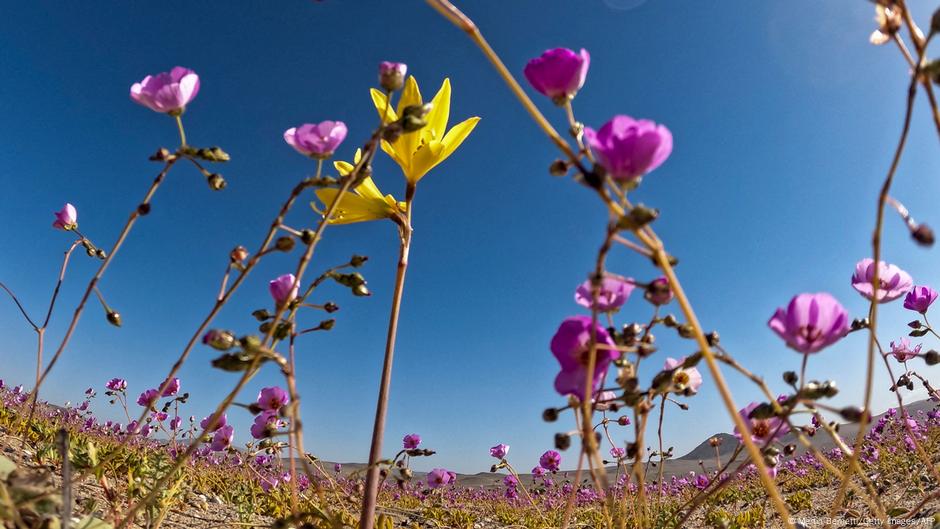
(784, 120)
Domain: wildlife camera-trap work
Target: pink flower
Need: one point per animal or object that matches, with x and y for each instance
(571, 347)
(273, 398)
(499, 451)
(893, 282)
(439, 477)
(283, 289)
(167, 92)
(902, 350)
(538, 471)
(613, 294)
(761, 430)
(222, 439)
(116, 384)
(148, 398)
(66, 218)
(558, 73)
(269, 483)
(172, 388)
(628, 148)
(686, 381)
(317, 140)
(617, 452)
(266, 423)
(411, 441)
(920, 298)
(223, 421)
(550, 460)
(810, 322)
(175, 423)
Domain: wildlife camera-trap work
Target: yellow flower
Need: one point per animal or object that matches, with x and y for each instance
(419, 152)
(365, 202)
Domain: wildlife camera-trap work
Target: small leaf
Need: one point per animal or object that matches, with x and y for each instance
(6, 467)
(90, 522)
(918, 332)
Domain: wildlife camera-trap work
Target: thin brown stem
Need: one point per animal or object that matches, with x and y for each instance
(371, 492)
(873, 308)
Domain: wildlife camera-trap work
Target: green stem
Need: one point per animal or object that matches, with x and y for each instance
(179, 125)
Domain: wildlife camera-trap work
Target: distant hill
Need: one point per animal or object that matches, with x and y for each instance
(701, 456)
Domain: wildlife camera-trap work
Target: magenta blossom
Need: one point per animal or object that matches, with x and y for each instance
(920, 298)
(892, 281)
(903, 351)
(701, 482)
(684, 380)
(411, 441)
(149, 397)
(175, 423)
(550, 461)
(266, 423)
(172, 388)
(439, 477)
(571, 347)
(761, 430)
(283, 289)
(538, 471)
(499, 451)
(629, 148)
(223, 421)
(558, 73)
(613, 294)
(116, 384)
(222, 438)
(66, 218)
(317, 140)
(167, 92)
(811, 322)
(617, 452)
(337, 468)
(273, 398)
(511, 481)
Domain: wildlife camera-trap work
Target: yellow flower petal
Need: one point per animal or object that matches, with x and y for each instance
(401, 158)
(440, 111)
(353, 208)
(368, 189)
(428, 156)
(457, 134)
(410, 95)
(379, 100)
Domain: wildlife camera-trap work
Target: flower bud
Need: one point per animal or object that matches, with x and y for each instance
(238, 254)
(923, 235)
(413, 117)
(562, 441)
(330, 307)
(713, 338)
(658, 292)
(790, 377)
(358, 260)
(219, 339)
(932, 357)
(284, 244)
(392, 75)
(851, 413)
(550, 415)
(327, 324)
(143, 209)
(670, 320)
(558, 168)
(262, 314)
(216, 182)
(307, 236)
(114, 318)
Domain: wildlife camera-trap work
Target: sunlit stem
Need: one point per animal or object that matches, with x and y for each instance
(179, 125)
(367, 517)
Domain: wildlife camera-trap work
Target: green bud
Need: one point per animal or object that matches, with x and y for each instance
(358, 260)
(114, 318)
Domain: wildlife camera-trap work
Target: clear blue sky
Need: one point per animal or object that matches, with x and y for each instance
(784, 120)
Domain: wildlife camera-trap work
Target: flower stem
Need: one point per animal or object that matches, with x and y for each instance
(367, 516)
(179, 125)
(873, 309)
